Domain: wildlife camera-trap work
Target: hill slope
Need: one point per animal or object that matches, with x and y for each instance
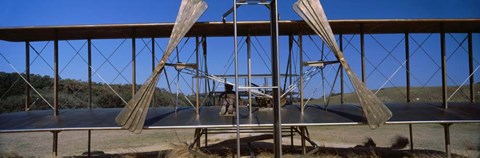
(72, 93)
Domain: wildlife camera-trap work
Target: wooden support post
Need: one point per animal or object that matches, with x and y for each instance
(153, 54)
(291, 138)
(90, 96)
(300, 87)
(207, 83)
(446, 128)
(153, 66)
(249, 72)
(290, 66)
(134, 72)
(27, 75)
(302, 134)
(410, 131)
(341, 71)
(407, 66)
(277, 120)
(199, 135)
(197, 88)
(444, 67)
(89, 143)
(55, 78)
(362, 53)
(470, 68)
(206, 136)
(55, 143)
(89, 62)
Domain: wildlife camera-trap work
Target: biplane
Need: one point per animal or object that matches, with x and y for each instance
(276, 115)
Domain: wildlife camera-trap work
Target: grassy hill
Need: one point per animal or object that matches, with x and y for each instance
(417, 94)
(72, 94)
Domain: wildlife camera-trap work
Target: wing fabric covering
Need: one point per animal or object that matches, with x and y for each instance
(312, 12)
(133, 115)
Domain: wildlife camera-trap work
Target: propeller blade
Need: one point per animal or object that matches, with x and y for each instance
(312, 12)
(133, 115)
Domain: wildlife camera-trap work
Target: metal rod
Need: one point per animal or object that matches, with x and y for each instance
(362, 52)
(470, 68)
(89, 60)
(277, 121)
(407, 66)
(341, 71)
(410, 131)
(27, 75)
(444, 67)
(446, 128)
(197, 88)
(55, 78)
(235, 45)
(300, 87)
(134, 73)
(249, 72)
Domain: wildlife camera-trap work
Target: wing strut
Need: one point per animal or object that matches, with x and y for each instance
(133, 115)
(312, 12)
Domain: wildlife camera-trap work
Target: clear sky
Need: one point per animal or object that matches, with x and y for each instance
(61, 12)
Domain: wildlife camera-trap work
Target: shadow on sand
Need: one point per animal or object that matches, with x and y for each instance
(254, 146)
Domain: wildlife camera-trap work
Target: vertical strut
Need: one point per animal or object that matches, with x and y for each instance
(153, 54)
(134, 72)
(27, 74)
(207, 83)
(341, 71)
(407, 66)
(444, 67)
(153, 66)
(55, 143)
(411, 136)
(55, 78)
(302, 135)
(291, 138)
(470, 68)
(362, 52)
(206, 136)
(277, 122)
(446, 128)
(290, 60)
(89, 60)
(249, 72)
(235, 45)
(90, 99)
(407, 78)
(197, 102)
(300, 87)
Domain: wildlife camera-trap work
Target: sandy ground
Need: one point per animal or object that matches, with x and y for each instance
(465, 139)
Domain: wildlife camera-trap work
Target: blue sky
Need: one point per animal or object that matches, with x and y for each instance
(58, 12)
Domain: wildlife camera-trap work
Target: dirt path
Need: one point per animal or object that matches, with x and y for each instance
(465, 139)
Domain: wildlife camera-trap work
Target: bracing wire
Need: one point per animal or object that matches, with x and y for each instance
(29, 84)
